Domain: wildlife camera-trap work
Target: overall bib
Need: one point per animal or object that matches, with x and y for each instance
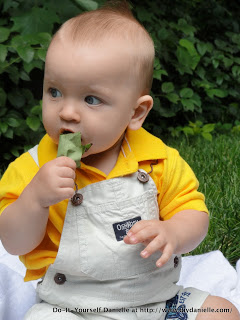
(95, 271)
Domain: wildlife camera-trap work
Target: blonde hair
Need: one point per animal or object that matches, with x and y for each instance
(115, 19)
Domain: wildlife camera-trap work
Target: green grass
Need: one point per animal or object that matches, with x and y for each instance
(217, 167)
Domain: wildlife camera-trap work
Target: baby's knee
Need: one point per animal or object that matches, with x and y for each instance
(218, 308)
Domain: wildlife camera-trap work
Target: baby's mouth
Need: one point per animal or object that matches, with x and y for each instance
(65, 131)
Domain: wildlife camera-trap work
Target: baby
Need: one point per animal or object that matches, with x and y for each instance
(116, 253)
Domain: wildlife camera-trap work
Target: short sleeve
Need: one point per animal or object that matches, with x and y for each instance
(17, 176)
(179, 187)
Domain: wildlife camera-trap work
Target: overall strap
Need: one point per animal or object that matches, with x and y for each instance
(34, 153)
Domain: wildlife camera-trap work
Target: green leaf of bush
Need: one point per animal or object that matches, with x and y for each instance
(33, 123)
(172, 97)
(167, 87)
(217, 92)
(207, 136)
(188, 130)
(3, 127)
(35, 21)
(189, 46)
(186, 93)
(4, 34)
(3, 98)
(3, 52)
(208, 127)
(13, 122)
(26, 54)
(188, 104)
(87, 4)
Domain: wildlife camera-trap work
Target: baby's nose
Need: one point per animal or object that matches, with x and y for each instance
(70, 112)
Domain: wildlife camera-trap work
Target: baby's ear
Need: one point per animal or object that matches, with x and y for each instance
(143, 106)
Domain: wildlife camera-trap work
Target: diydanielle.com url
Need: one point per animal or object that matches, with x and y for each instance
(141, 310)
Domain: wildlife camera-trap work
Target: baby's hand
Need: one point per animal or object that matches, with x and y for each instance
(155, 235)
(54, 181)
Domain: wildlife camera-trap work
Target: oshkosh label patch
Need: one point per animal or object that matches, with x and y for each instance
(121, 228)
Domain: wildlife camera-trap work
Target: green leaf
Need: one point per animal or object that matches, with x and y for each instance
(36, 110)
(186, 93)
(188, 130)
(189, 46)
(3, 98)
(142, 14)
(3, 127)
(172, 97)
(24, 76)
(202, 48)
(167, 87)
(33, 123)
(227, 62)
(9, 133)
(188, 104)
(3, 52)
(163, 34)
(42, 54)
(13, 73)
(33, 64)
(44, 39)
(87, 4)
(15, 152)
(197, 100)
(208, 127)
(207, 136)
(16, 98)
(36, 20)
(185, 27)
(236, 71)
(4, 34)
(217, 92)
(186, 59)
(215, 63)
(13, 122)
(3, 111)
(26, 53)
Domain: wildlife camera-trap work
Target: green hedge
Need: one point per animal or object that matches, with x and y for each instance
(197, 66)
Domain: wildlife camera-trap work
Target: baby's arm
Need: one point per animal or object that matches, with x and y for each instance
(180, 234)
(23, 223)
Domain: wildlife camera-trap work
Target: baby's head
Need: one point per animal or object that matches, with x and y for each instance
(98, 76)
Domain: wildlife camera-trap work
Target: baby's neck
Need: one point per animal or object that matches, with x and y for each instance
(106, 160)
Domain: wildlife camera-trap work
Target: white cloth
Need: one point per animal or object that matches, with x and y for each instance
(211, 272)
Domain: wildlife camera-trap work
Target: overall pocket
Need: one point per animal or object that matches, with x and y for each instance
(103, 253)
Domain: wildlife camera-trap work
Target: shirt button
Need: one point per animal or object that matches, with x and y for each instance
(59, 278)
(176, 262)
(142, 176)
(77, 199)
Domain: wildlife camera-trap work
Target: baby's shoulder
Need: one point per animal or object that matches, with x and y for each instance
(23, 167)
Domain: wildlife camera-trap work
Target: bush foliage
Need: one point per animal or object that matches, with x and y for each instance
(196, 73)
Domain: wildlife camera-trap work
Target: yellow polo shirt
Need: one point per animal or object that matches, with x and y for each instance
(175, 181)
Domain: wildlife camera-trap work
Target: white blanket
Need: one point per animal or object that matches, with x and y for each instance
(210, 272)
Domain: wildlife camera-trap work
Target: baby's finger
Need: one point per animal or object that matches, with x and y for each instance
(166, 255)
(144, 234)
(67, 183)
(66, 162)
(140, 225)
(156, 244)
(66, 172)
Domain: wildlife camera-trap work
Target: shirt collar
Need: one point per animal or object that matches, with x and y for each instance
(137, 146)
(145, 146)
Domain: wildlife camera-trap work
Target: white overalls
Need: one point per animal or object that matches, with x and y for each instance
(95, 271)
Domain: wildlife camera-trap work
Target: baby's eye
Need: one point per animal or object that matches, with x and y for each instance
(55, 93)
(92, 100)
